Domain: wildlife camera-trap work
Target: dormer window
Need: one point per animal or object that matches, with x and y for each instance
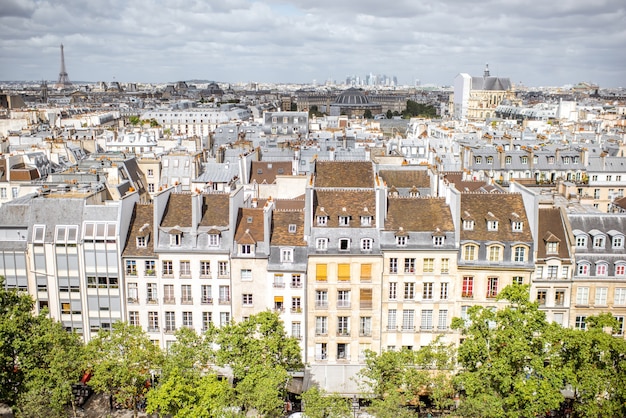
(39, 234)
(292, 228)
(489, 160)
(214, 240)
(517, 226)
(552, 247)
(246, 249)
(141, 242)
(401, 241)
(524, 160)
(322, 220)
(478, 160)
(598, 241)
(581, 241)
(344, 244)
(618, 241)
(344, 221)
(492, 225)
(321, 244)
(508, 159)
(551, 159)
(286, 255)
(366, 220)
(176, 239)
(438, 241)
(468, 225)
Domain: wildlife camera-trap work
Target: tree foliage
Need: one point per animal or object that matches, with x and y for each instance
(319, 404)
(418, 109)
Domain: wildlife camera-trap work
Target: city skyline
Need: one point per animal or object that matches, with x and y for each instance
(534, 44)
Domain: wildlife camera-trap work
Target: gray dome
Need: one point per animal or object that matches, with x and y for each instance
(352, 96)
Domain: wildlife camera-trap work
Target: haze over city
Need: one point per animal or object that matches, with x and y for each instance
(533, 43)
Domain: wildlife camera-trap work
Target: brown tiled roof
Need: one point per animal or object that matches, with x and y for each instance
(215, 209)
(280, 228)
(266, 171)
(344, 174)
(503, 207)
(464, 185)
(140, 226)
(621, 202)
(289, 204)
(405, 178)
(418, 214)
(333, 203)
(249, 226)
(178, 211)
(551, 229)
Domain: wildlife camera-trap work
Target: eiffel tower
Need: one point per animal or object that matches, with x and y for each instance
(64, 80)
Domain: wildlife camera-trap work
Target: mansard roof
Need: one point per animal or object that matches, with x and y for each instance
(281, 234)
(505, 207)
(215, 209)
(344, 174)
(418, 214)
(343, 202)
(178, 211)
(141, 225)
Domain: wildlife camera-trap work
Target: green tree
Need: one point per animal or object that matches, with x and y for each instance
(418, 109)
(261, 356)
(595, 362)
(511, 362)
(319, 404)
(367, 114)
(389, 114)
(122, 362)
(134, 120)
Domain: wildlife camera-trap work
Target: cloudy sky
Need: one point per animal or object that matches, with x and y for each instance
(533, 42)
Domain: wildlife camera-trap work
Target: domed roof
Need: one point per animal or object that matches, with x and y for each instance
(352, 96)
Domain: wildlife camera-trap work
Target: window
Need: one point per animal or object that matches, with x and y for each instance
(186, 297)
(286, 255)
(444, 291)
(170, 322)
(392, 322)
(151, 188)
(168, 270)
(131, 267)
(224, 318)
(366, 220)
(445, 265)
(222, 268)
(620, 269)
(470, 252)
(596, 193)
(3, 193)
(620, 296)
(214, 240)
(438, 241)
(344, 221)
(427, 292)
(508, 159)
(321, 244)
(176, 240)
(185, 268)
(618, 242)
(344, 244)
(542, 295)
(153, 321)
(246, 249)
(322, 220)
(168, 294)
(580, 322)
(150, 172)
(343, 298)
(365, 326)
(321, 272)
(296, 281)
(366, 272)
(409, 291)
(401, 241)
(598, 241)
(296, 304)
(601, 294)
(478, 160)
(296, 330)
(492, 287)
(427, 319)
(468, 287)
(583, 269)
(205, 268)
(224, 296)
(393, 265)
(321, 325)
(519, 254)
(393, 291)
(468, 225)
(141, 242)
(151, 292)
(524, 160)
(247, 299)
(582, 296)
(366, 244)
(409, 265)
(133, 293)
(492, 225)
(581, 241)
(489, 160)
(133, 318)
(552, 247)
(553, 272)
(495, 253)
(564, 272)
(429, 265)
(408, 318)
(343, 326)
(321, 299)
(602, 269)
(442, 322)
(517, 226)
(207, 320)
(246, 275)
(321, 352)
(559, 298)
(206, 294)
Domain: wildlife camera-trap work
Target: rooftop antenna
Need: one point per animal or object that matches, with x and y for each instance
(64, 80)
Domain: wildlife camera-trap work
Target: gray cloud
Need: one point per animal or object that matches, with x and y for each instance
(536, 43)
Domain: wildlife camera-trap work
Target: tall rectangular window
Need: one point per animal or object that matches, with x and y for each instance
(224, 296)
(427, 319)
(392, 321)
(468, 287)
(444, 291)
(601, 293)
(185, 268)
(445, 265)
(492, 287)
(185, 291)
(429, 265)
(409, 291)
(321, 325)
(206, 294)
(343, 272)
(393, 265)
(168, 294)
(393, 291)
(205, 268)
(408, 318)
(582, 296)
(442, 322)
(365, 326)
(320, 272)
(409, 265)
(321, 299)
(427, 293)
(207, 320)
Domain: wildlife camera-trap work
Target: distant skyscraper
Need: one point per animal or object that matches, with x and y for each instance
(64, 80)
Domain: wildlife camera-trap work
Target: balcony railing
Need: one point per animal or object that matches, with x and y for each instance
(152, 300)
(186, 301)
(296, 285)
(169, 301)
(321, 304)
(321, 333)
(206, 301)
(343, 303)
(296, 310)
(278, 284)
(392, 327)
(224, 301)
(408, 328)
(343, 333)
